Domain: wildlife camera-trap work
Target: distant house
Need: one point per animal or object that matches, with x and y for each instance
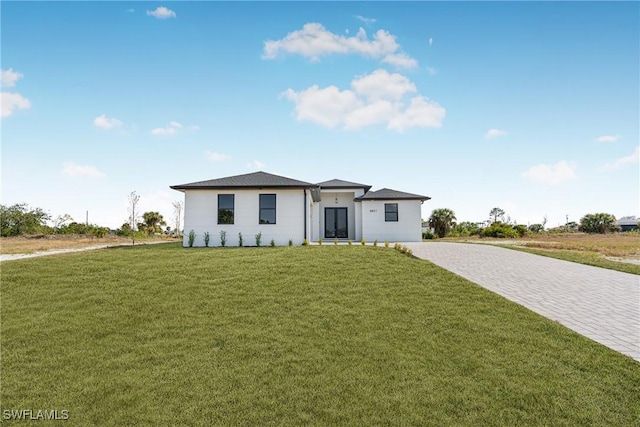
(286, 209)
(628, 223)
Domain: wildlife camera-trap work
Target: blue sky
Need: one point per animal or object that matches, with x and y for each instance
(531, 107)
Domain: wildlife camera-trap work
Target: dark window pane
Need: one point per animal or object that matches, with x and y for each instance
(267, 201)
(330, 223)
(267, 213)
(391, 212)
(225, 201)
(225, 216)
(225, 208)
(267, 216)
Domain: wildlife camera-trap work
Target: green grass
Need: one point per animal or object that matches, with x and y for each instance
(588, 258)
(331, 335)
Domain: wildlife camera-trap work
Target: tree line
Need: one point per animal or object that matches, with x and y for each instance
(443, 222)
(21, 219)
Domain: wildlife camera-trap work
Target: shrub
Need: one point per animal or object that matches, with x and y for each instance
(499, 230)
(375, 243)
(386, 243)
(305, 242)
(598, 223)
(206, 238)
(363, 242)
(240, 239)
(320, 241)
(465, 229)
(192, 238)
(428, 235)
(290, 242)
(258, 239)
(522, 230)
(349, 242)
(272, 243)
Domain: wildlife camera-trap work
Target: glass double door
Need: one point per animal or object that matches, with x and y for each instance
(335, 223)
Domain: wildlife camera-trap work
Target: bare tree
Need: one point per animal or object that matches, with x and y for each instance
(496, 214)
(177, 215)
(133, 204)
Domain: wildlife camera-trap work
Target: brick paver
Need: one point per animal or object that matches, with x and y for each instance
(601, 304)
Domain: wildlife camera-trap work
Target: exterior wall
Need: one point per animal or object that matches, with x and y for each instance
(408, 228)
(201, 215)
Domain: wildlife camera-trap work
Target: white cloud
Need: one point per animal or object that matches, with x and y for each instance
(256, 165)
(72, 169)
(314, 41)
(608, 138)
(376, 98)
(216, 157)
(105, 122)
(622, 161)
(8, 78)
(365, 19)
(162, 13)
(172, 128)
(430, 41)
(556, 174)
(10, 101)
(494, 133)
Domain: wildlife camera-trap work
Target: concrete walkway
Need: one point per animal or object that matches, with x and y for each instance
(601, 304)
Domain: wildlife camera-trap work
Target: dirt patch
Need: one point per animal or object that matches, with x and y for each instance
(44, 243)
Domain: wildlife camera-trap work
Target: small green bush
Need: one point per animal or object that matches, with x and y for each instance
(223, 238)
(272, 243)
(290, 242)
(258, 239)
(320, 241)
(499, 230)
(305, 242)
(192, 238)
(428, 235)
(363, 241)
(206, 238)
(240, 239)
(375, 243)
(349, 242)
(386, 243)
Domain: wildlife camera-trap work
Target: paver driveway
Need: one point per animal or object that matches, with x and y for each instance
(601, 304)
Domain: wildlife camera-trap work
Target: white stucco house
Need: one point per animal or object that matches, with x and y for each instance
(286, 209)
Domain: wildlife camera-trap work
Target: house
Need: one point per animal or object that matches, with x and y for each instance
(286, 209)
(628, 223)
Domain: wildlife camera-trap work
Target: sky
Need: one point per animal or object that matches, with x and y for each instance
(532, 107)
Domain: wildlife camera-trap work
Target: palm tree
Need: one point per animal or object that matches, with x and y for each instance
(442, 220)
(153, 222)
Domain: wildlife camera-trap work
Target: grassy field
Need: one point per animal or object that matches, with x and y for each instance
(618, 251)
(331, 335)
(26, 245)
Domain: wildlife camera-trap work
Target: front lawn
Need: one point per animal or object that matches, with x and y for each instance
(331, 335)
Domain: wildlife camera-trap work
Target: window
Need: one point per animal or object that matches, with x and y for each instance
(225, 208)
(267, 209)
(391, 212)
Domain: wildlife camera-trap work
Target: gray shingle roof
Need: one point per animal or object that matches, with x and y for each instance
(388, 194)
(249, 180)
(339, 183)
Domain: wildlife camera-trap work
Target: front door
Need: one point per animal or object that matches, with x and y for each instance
(335, 223)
